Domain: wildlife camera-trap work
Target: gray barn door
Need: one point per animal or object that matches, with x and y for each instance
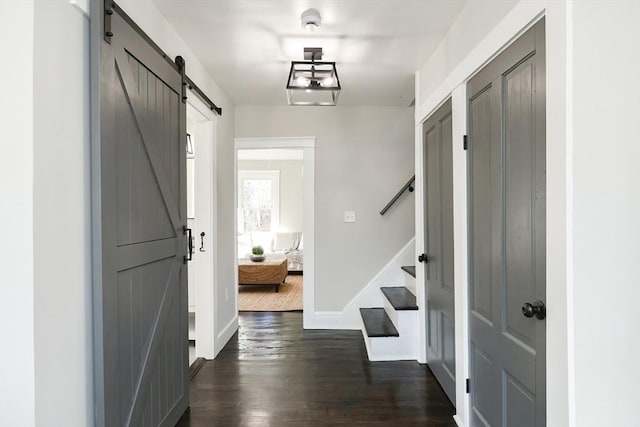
(506, 102)
(438, 239)
(140, 306)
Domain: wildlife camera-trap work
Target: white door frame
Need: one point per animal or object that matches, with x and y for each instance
(307, 145)
(205, 290)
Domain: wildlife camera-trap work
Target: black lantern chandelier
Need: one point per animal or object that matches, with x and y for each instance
(313, 82)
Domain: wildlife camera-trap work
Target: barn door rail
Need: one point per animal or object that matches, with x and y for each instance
(111, 7)
(407, 186)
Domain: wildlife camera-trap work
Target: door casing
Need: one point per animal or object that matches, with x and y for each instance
(205, 268)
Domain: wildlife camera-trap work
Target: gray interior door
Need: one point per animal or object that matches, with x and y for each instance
(438, 187)
(506, 102)
(140, 306)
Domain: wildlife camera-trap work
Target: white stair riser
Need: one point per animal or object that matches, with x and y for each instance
(394, 348)
(382, 349)
(403, 320)
(410, 282)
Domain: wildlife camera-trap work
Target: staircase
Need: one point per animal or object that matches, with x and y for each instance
(390, 332)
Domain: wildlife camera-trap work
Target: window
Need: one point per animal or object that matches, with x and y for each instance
(258, 200)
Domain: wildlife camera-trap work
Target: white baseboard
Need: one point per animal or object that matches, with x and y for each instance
(327, 320)
(225, 335)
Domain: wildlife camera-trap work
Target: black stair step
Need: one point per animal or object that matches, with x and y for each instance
(411, 269)
(377, 323)
(400, 298)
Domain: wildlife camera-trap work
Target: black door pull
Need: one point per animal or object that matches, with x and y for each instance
(536, 309)
(423, 258)
(202, 242)
(186, 230)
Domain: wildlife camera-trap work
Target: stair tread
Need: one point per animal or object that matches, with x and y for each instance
(400, 298)
(411, 269)
(377, 323)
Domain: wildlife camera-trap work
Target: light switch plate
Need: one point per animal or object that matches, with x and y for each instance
(349, 216)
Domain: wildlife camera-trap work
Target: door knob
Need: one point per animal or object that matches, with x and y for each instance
(536, 309)
(423, 258)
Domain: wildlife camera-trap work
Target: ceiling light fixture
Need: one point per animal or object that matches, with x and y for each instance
(313, 82)
(311, 19)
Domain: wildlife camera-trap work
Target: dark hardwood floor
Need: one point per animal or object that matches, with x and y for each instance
(274, 373)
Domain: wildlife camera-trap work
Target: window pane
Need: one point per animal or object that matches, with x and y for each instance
(257, 194)
(256, 204)
(256, 219)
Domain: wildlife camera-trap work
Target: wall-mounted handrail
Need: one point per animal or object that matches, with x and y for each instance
(407, 186)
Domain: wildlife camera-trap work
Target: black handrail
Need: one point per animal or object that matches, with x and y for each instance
(407, 186)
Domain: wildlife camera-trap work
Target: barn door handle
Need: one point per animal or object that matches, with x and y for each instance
(536, 309)
(186, 230)
(202, 242)
(423, 258)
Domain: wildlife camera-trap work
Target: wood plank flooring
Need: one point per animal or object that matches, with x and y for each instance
(274, 373)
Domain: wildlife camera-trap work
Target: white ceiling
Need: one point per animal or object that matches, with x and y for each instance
(247, 45)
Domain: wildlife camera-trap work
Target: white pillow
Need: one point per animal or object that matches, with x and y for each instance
(282, 242)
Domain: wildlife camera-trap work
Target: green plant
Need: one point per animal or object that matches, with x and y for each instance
(257, 250)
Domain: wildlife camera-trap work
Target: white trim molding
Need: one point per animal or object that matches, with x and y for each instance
(225, 335)
(206, 288)
(274, 142)
(82, 6)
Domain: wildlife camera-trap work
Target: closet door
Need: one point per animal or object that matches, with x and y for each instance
(438, 185)
(507, 230)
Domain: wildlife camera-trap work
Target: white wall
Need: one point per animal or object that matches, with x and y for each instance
(363, 155)
(62, 233)
(475, 22)
(45, 309)
(46, 362)
(17, 375)
(593, 197)
(606, 211)
(291, 189)
(158, 28)
(482, 30)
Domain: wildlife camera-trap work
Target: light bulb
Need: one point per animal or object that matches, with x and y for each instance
(311, 26)
(303, 81)
(327, 82)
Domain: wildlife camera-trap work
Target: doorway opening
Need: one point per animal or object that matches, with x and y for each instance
(274, 224)
(201, 219)
(270, 208)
